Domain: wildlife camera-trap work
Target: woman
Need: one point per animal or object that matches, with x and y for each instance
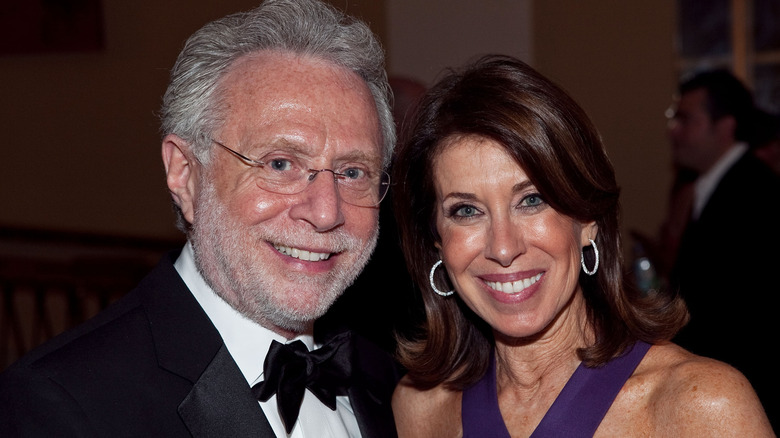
(508, 210)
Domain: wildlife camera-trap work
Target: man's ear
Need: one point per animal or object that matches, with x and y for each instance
(181, 173)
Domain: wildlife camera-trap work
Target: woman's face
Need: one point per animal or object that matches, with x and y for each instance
(512, 259)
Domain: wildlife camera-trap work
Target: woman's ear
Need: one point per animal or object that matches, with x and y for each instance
(589, 231)
(180, 171)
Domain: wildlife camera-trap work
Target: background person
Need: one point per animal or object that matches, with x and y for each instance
(504, 186)
(727, 259)
(276, 129)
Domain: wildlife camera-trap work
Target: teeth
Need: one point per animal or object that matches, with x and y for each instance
(302, 254)
(514, 286)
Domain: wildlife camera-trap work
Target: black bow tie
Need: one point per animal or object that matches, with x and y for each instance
(290, 369)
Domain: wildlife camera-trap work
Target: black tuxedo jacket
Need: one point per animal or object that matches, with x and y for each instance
(727, 271)
(153, 365)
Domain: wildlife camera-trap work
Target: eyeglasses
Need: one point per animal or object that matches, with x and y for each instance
(286, 173)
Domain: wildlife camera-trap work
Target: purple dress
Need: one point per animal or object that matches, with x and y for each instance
(576, 412)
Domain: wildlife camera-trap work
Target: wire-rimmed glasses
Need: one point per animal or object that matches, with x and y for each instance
(287, 174)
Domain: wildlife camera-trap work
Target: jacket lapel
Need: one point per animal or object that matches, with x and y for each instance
(221, 404)
(187, 344)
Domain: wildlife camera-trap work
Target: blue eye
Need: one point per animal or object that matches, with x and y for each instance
(280, 164)
(465, 211)
(354, 173)
(533, 200)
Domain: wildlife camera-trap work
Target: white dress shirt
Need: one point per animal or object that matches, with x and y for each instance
(248, 344)
(706, 183)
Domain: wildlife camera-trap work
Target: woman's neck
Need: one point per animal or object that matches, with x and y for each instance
(547, 360)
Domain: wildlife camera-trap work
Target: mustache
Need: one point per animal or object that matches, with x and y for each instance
(334, 241)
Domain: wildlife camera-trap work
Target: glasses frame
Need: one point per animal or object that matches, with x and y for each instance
(384, 178)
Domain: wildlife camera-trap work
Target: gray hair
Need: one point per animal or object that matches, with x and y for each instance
(308, 27)
(191, 107)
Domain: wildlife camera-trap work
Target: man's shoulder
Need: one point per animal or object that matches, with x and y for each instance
(747, 192)
(110, 330)
(74, 346)
(750, 171)
(125, 362)
(79, 365)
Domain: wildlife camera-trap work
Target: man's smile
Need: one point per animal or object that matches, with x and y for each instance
(302, 254)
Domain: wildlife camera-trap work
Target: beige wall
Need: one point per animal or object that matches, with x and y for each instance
(79, 132)
(615, 57)
(424, 37)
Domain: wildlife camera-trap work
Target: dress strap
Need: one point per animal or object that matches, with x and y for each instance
(588, 395)
(576, 412)
(480, 415)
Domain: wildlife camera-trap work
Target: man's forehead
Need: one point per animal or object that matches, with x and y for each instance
(299, 103)
(271, 70)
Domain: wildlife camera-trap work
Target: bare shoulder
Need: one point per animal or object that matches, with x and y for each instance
(431, 412)
(689, 395)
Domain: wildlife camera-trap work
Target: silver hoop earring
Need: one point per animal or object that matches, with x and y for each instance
(582, 259)
(433, 286)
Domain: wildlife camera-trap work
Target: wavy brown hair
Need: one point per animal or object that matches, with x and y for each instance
(554, 142)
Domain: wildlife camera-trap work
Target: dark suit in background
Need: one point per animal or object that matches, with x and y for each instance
(728, 271)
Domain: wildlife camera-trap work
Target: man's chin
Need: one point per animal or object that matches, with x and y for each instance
(296, 315)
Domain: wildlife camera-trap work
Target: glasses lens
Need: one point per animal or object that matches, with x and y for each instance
(366, 194)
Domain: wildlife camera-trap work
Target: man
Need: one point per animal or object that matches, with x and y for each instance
(276, 130)
(726, 266)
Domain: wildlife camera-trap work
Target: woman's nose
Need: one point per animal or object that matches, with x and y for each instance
(505, 242)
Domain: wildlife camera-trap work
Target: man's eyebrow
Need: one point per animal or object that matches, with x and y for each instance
(360, 156)
(283, 143)
(301, 149)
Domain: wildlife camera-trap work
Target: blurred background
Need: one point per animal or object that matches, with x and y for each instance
(83, 205)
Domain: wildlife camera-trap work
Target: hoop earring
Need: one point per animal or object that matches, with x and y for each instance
(433, 286)
(582, 259)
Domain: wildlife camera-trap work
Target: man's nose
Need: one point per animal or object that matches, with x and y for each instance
(320, 203)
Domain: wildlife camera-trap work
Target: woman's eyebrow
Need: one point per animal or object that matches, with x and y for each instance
(461, 195)
(519, 187)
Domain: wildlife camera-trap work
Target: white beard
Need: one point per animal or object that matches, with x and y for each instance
(230, 258)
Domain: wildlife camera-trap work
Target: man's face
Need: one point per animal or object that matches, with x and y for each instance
(283, 259)
(695, 141)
